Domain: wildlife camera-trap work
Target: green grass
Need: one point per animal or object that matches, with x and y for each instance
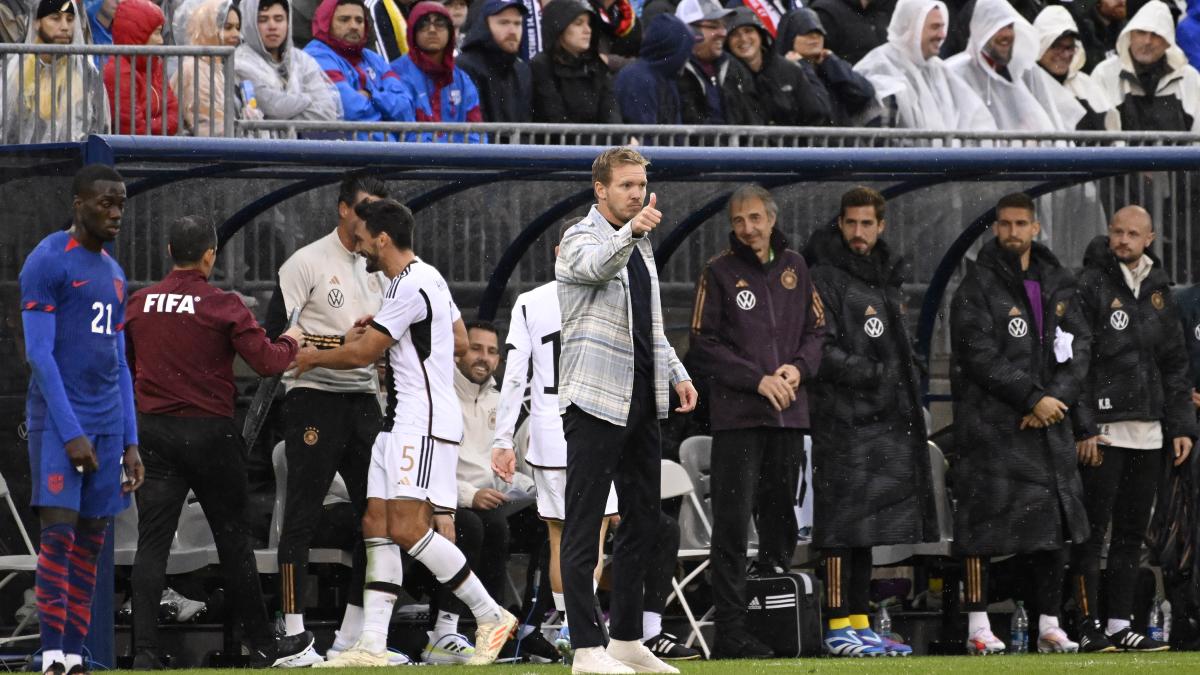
(1058, 664)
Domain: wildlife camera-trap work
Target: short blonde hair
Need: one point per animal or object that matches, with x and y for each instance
(602, 168)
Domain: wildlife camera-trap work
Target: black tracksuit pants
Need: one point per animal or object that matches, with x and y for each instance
(1046, 570)
(206, 455)
(630, 457)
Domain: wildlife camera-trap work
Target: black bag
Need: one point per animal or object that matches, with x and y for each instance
(784, 612)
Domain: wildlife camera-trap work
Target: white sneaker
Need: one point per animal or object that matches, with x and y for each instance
(356, 657)
(637, 656)
(186, 607)
(448, 650)
(982, 642)
(490, 638)
(1055, 641)
(308, 657)
(597, 660)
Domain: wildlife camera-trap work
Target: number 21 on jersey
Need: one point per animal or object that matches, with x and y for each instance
(102, 322)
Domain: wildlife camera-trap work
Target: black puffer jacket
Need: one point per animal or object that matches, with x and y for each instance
(871, 479)
(1011, 484)
(850, 95)
(741, 102)
(1139, 367)
(851, 30)
(1188, 302)
(567, 88)
(791, 93)
(503, 80)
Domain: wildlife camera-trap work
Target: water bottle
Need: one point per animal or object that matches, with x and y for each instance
(248, 94)
(883, 622)
(1019, 638)
(1166, 620)
(1154, 627)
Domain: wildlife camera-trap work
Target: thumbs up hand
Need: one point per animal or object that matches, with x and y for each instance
(646, 219)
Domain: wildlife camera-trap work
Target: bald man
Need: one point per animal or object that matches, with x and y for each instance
(1134, 413)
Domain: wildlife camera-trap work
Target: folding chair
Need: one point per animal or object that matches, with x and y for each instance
(17, 563)
(267, 559)
(692, 547)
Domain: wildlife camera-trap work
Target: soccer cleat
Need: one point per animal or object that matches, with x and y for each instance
(982, 642)
(1092, 640)
(356, 657)
(668, 648)
(307, 658)
(78, 669)
(490, 638)
(635, 655)
(1055, 641)
(185, 609)
(276, 651)
(846, 642)
(597, 661)
(889, 646)
(448, 650)
(56, 668)
(534, 647)
(1126, 640)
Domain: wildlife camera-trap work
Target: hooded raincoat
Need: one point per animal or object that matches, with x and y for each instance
(200, 82)
(1050, 25)
(147, 106)
(567, 88)
(55, 100)
(440, 90)
(1161, 97)
(920, 93)
(646, 89)
(291, 88)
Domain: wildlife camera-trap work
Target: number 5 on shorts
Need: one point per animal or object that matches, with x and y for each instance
(408, 458)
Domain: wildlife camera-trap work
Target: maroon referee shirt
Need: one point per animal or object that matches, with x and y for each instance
(181, 336)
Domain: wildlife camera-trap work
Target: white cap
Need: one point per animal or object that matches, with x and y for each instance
(691, 11)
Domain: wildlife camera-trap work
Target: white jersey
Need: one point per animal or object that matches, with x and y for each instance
(534, 342)
(419, 314)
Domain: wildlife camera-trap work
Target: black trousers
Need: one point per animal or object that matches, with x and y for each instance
(1046, 570)
(664, 559)
(754, 472)
(325, 433)
(1121, 491)
(206, 455)
(630, 456)
(847, 581)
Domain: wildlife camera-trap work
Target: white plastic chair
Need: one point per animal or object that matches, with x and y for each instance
(677, 483)
(17, 563)
(267, 559)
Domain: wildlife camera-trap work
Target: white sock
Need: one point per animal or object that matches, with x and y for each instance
(524, 631)
(293, 623)
(352, 626)
(449, 566)
(385, 572)
(1045, 623)
(446, 624)
(651, 625)
(52, 656)
(560, 606)
(1116, 625)
(72, 660)
(977, 621)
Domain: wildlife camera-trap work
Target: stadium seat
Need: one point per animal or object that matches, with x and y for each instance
(267, 559)
(17, 563)
(677, 483)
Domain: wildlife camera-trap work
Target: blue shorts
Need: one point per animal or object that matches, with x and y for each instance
(57, 484)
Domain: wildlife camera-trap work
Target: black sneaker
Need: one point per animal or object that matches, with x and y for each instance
(535, 647)
(739, 644)
(56, 668)
(1126, 640)
(271, 653)
(1092, 640)
(668, 648)
(147, 659)
(78, 669)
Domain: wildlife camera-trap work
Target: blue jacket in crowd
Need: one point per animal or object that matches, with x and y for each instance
(440, 91)
(647, 90)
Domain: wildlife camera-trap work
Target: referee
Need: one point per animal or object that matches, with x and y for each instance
(183, 335)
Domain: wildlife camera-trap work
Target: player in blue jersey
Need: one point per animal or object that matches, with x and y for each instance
(83, 453)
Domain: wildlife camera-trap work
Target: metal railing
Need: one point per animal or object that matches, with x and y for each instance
(58, 119)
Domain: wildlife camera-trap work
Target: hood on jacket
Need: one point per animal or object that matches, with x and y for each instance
(322, 24)
(77, 37)
(253, 39)
(1052, 23)
(994, 256)
(904, 30)
(556, 17)
(1098, 255)
(744, 16)
(798, 22)
(442, 72)
(1153, 17)
(828, 247)
(666, 45)
(206, 22)
(134, 22)
(479, 34)
(989, 18)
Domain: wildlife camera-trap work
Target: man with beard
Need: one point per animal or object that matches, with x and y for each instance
(489, 56)
(1061, 55)
(713, 88)
(791, 93)
(1134, 413)
(1021, 348)
(870, 462)
(370, 90)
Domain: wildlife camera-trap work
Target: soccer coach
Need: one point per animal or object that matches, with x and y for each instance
(613, 374)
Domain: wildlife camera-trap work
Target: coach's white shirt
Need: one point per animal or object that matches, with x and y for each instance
(478, 403)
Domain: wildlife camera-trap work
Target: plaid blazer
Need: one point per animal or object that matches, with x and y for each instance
(596, 362)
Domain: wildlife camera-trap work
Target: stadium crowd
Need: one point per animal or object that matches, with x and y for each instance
(974, 65)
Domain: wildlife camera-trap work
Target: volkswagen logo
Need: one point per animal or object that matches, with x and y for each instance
(1017, 327)
(1119, 320)
(873, 327)
(746, 300)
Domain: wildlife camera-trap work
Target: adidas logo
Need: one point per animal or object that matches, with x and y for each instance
(754, 604)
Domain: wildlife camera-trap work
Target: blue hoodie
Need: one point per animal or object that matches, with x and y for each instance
(1187, 33)
(646, 89)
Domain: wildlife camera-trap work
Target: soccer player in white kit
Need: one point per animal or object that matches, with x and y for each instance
(414, 458)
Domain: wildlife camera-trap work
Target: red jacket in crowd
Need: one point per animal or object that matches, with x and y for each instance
(133, 24)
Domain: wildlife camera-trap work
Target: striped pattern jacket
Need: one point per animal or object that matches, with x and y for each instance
(596, 363)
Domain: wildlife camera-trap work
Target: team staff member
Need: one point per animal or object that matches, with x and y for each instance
(1021, 348)
(1136, 406)
(757, 328)
(870, 461)
(330, 417)
(617, 365)
(183, 335)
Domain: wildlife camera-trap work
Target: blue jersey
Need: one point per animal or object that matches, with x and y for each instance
(85, 293)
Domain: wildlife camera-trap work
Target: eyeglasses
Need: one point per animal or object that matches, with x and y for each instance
(710, 25)
(434, 24)
(1071, 47)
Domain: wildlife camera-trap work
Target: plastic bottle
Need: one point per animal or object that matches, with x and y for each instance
(883, 622)
(1154, 627)
(1166, 620)
(1019, 638)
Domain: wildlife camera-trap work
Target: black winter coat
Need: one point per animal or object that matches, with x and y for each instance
(850, 30)
(850, 95)
(1188, 302)
(570, 89)
(871, 474)
(741, 102)
(1139, 368)
(504, 81)
(1011, 484)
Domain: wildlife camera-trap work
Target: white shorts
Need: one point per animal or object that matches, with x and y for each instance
(405, 465)
(551, 488)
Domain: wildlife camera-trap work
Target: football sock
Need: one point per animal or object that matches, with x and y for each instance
(838, 624)
(450, 567)
(860, 621)
(385, 572)
(53, 572)
(81, 585)
(651, 625)
(1116, 626)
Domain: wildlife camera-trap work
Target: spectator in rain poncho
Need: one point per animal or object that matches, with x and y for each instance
(52, 98)
(13, 17)
(288, 83)
(999, 64)
(915, 87)
(1149, 80)
(1061, 56)
(200, 82)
